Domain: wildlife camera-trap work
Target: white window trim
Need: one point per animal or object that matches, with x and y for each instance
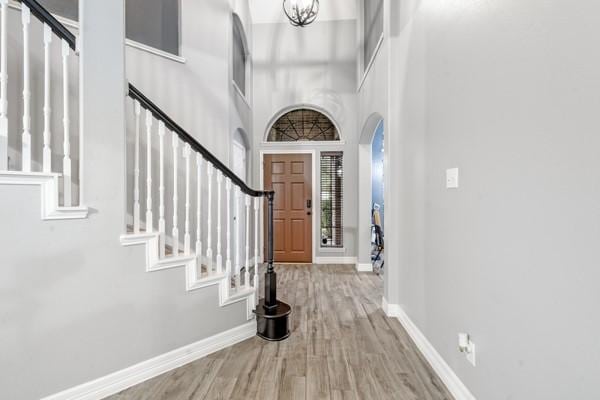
(306, 143)
(371, 63)
(299, 106)
(248, 65)
(155, 51)
(131, 43)
(241, 94)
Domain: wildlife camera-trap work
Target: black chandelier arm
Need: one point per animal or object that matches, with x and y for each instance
(301, 19)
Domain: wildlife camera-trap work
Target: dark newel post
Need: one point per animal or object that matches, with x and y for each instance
(272, 315)
(270, 275)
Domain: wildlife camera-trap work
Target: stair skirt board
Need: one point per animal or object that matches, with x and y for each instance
(453, 383)
(138, 373)
(48, 183)
(154, 263)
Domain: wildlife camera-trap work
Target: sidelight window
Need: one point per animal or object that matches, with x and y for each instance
(332, 199)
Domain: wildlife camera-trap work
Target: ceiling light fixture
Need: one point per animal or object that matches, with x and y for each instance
(301, 12)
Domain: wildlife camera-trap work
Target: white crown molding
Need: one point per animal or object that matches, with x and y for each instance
(138, 373)
(48, 183)
(456, 387)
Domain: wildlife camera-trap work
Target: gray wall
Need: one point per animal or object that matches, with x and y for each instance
(508, 91)
(76, 305)
(314, 66)
(198, 94)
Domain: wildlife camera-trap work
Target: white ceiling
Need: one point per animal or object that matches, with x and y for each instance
(271, 11)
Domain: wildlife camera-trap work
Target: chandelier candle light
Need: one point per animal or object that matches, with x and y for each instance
(301, 12)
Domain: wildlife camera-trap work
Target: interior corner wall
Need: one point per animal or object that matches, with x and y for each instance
(507, 91)
(241, 107)
(313, 66)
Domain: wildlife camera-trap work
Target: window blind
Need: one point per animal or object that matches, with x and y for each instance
(332, 199)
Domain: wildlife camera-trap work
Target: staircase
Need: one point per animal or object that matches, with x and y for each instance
(212, 246)
(186, 207)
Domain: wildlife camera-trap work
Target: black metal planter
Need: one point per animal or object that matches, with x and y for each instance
(272, 315)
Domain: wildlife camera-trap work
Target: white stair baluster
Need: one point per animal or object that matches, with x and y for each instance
(3, 87)
(247, 249)
(209, 252)
(236, 230)
(187, 151)
(161, 191)
(136, 169)
(228, 205)
(47, 152)
(256, 233)
(26, 136)
(175, 231)
(66, 127)
(219, 256)
(198, 208)
(149, 215)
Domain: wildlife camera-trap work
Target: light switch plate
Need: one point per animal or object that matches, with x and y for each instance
(471, 354)
(452, 178)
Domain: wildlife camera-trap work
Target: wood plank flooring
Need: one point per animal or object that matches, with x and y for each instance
(342, 347)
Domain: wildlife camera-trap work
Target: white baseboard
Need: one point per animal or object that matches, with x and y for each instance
(335, 260)
(456, 387)
(364, 267)
(138, 373)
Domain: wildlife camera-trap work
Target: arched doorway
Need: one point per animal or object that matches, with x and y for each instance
(368, 174)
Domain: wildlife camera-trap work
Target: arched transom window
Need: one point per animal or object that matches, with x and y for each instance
(303, 125)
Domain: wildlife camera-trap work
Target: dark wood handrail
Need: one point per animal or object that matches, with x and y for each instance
(44, 15)
(159, 114)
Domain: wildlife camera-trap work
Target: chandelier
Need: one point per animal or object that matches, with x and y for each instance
(301, 12)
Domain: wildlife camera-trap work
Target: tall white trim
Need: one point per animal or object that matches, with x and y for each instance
(138, 373)
(456, 387)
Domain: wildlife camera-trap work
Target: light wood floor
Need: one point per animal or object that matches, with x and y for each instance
(342, 347)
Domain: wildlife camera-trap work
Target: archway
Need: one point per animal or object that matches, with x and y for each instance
(319, 125)
(365, 195)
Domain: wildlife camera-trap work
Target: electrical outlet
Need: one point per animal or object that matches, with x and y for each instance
(452, 178)
(466, 346)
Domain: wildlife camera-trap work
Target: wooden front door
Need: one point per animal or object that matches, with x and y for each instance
(290, 176)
